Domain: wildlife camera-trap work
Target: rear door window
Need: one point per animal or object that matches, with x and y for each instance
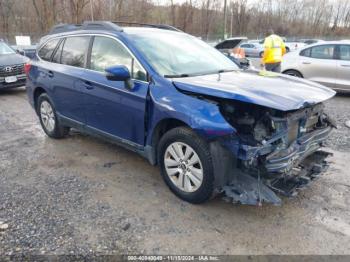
(344, 52)
(47, 50)
(74, 51)
(107, 52)
(57, 56)
(323, 52)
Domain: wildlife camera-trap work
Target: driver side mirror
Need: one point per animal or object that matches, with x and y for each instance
(119, 73)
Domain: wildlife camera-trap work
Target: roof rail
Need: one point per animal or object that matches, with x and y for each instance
(104, 25)
(87, 25)
(166, 27)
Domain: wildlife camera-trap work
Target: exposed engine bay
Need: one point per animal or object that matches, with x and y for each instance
(275, 151)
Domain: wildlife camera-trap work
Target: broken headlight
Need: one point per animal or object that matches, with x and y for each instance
(253, 123)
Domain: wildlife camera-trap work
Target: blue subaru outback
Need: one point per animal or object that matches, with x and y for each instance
(211, 127)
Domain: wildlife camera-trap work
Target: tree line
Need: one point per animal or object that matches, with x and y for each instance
(203, 18)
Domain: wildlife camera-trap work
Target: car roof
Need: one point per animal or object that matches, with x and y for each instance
(105, 27)
(341, 42)
(332, 42)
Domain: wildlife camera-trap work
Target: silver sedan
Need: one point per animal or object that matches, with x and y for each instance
(327, 63)
(253, 49)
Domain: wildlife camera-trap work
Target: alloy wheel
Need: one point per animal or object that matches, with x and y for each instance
(183, 166)
(47, 116)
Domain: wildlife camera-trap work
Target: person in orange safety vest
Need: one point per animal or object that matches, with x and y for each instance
(274, 49)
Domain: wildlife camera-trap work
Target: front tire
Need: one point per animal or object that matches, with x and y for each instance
(48, 118)
(186, 165)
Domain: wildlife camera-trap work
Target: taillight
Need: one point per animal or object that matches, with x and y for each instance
(27, 67)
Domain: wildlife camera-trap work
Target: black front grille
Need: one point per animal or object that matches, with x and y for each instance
(11, 70)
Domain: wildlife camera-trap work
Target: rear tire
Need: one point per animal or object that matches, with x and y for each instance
(186, 165)
(261, 54)
(293, 73)
(48, 118)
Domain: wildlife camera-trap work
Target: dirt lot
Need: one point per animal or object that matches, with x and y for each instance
(84, 196)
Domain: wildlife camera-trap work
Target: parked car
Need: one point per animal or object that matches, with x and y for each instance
(293, 45)
(227, 45)
(253, 49)
(11, 67)
(231, 48)
(311, 41)
(211, 127)
(327, 63)
(28, 51)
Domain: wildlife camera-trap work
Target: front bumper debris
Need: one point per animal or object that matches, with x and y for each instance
(308, 170)
(246, 189)
(282, 161)
(271, 153)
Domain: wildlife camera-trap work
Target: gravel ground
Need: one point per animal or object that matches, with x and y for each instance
(339, 109)
(83, 196)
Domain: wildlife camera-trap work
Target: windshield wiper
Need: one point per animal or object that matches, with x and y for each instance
(176, 76)
(200, 74)
(225, 70)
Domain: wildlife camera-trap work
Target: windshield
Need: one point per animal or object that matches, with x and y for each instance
(179, 55)
(5, 49)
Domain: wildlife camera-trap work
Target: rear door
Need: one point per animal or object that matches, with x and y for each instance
(67, 72)
(44, 76)
(319, 64)
(343, 67)
(110, 106)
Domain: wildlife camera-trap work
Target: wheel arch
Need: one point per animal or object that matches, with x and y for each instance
(295, 70)
(159, 130)
(37, 92)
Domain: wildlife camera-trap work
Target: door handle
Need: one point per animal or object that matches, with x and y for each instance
(50, 74)
(88, 85)
(307, 63)
(345, 65)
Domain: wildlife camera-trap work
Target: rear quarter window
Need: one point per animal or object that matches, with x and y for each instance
(306, 52)
(47, 50)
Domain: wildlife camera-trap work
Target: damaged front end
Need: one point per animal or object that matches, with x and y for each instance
(274, 151)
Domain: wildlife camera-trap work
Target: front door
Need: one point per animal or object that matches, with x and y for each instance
(110, 106)
(343, 68)
(321, 66)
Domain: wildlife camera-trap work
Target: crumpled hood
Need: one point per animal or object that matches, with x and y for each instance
(279, 92)
(12, 59)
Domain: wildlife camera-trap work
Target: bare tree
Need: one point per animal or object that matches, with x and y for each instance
(77, 7)
(205, 18)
